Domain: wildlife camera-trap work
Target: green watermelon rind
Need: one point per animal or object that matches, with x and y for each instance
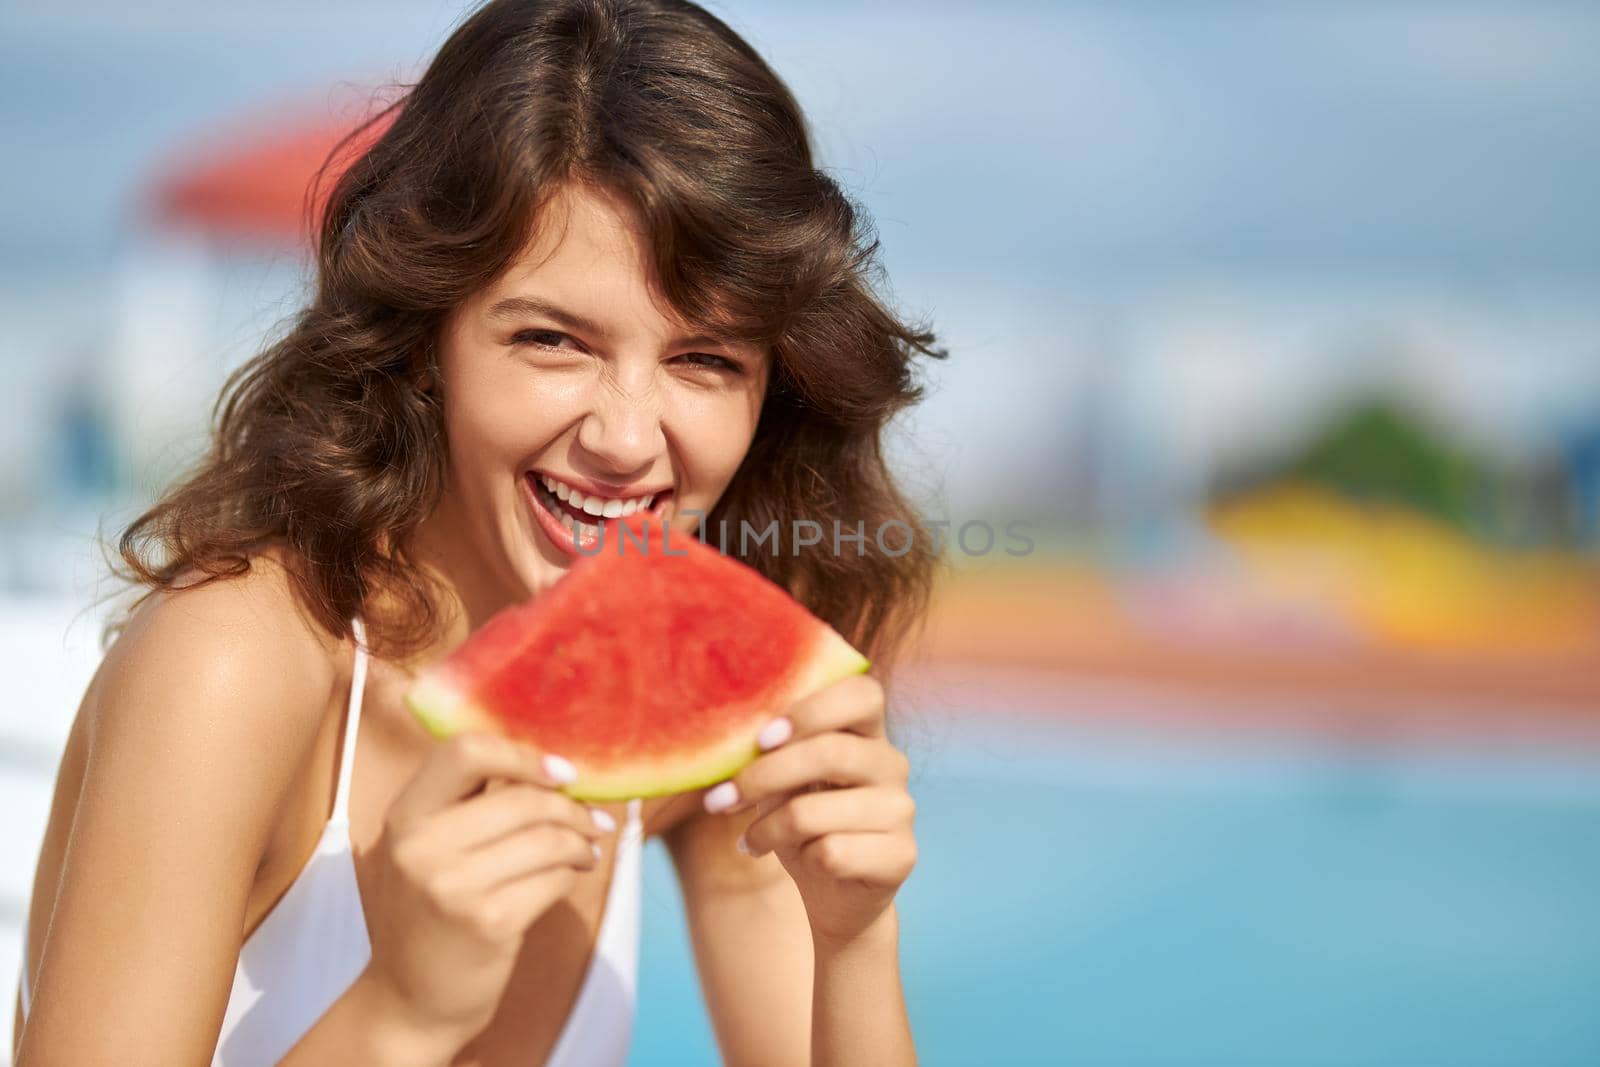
(442, 710)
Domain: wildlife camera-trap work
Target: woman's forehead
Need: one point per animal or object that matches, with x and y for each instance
(580, 227)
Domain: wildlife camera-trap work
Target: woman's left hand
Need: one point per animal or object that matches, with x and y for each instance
(831, 802)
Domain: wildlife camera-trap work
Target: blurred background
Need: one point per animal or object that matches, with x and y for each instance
(1279, 327)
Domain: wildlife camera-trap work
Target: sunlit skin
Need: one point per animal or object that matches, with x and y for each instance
(216, 720)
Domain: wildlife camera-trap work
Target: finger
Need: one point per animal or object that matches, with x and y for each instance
(517, 855)
(509, 909)
(854, 703)
(884, 860)
(458, 767)
(807, 816)
(515, 805)
(826, 760)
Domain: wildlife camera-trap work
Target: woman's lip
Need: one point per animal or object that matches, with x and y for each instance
(553, 527)
(609, 492)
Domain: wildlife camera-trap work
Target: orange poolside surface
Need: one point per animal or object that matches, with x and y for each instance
(1257, 654)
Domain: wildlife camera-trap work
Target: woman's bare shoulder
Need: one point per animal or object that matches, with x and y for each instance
(201, 714)
(192, 733)
(245, 639)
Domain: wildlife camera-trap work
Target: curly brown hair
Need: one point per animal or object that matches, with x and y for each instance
(329, 443)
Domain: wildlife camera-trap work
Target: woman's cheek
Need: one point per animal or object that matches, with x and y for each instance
(520, 417)
(719, 429)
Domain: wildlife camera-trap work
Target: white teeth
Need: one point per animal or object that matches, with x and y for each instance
(580, 529)
(599, 507)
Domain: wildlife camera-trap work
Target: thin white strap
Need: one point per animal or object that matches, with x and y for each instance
(352, 724)
(634, 823)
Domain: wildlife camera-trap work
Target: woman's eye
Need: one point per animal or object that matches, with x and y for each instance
(553, 339)
(541, 338)
(706, 359)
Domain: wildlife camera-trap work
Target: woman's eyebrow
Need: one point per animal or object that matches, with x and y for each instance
(516, 307)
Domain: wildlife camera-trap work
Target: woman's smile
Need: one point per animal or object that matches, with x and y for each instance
(571, 517)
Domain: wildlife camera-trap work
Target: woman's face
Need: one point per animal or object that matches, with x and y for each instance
(566, 373)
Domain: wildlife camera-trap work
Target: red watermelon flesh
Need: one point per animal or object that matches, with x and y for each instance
(652, 669)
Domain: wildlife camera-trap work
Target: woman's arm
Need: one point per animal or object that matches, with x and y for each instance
(194, 730)
(797, 944)
(369, 1025)
(858, 1010)
(752, 944)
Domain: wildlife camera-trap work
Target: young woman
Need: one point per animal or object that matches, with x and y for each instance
(590, 251)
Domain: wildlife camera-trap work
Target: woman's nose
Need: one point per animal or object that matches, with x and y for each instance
(623, 431)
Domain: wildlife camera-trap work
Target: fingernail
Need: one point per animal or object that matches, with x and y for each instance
(595, 849)
(723, 796)
(602, 818)
(742, 845)
(560, 769)
(775, 732)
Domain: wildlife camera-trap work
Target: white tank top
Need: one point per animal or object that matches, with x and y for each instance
(313, 944)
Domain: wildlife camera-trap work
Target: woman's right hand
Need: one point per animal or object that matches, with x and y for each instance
(476, 846)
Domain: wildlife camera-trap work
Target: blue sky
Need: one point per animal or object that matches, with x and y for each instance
(1082, 138)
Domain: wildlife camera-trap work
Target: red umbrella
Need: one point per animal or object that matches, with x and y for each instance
(253, 179)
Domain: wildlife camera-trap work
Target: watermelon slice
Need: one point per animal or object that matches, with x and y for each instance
(651, 668)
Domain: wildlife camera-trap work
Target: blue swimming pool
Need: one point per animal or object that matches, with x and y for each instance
(1110, 896)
